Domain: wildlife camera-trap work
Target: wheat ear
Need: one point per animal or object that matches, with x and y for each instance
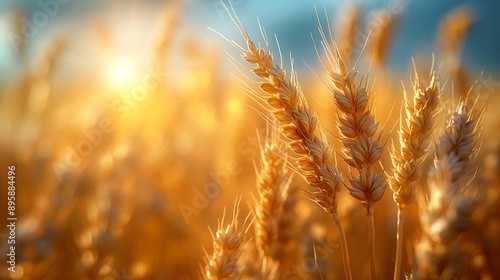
(227, 248)
(271, 224)
(313, 155)
(347, 29)
(452, 200)
(357, 128)
(414, 139)
(380, 40)
(451, 37)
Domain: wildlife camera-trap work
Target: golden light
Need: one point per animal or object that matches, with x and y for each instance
(120, 72)
(235, 106)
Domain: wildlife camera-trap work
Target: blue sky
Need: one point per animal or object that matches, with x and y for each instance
(292, 21)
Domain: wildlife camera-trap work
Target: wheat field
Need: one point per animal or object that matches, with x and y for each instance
(136, 145)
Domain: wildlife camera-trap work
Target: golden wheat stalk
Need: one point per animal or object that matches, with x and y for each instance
(258, 267)
(458, 146)
(357, 127)
(380, 41)
(227, 248)
(299, 125)
(451, 37)
(452, 199)
(275, 208)
(414, 139)
(271, 224)
(347, 28)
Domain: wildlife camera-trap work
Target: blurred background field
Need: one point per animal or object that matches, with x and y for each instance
(131, 132)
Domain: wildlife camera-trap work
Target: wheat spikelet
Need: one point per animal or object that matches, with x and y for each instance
(414, 138)
(452, 199)
(227, 247)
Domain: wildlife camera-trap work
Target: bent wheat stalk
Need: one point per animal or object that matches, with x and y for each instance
(284, 99)
(414, 139)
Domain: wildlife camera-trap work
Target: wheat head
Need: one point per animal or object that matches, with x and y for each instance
(452, 198)
(227, 248)
(414, 138)
(299, 125)
(357, 128)
(273, 222)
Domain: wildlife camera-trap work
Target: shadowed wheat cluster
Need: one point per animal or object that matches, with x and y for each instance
(170, 167)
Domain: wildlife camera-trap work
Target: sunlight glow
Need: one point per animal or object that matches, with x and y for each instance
(120, 72)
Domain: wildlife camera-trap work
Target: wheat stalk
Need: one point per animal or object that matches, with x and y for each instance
(299, 126)
(357, 127)
(452, 198)
(227, 248)
(380, 41)
(275, 208)
(414, 139)
(451, 37)
(347, 30)
(272, 222)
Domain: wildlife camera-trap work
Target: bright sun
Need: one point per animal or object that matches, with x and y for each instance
(120, 72)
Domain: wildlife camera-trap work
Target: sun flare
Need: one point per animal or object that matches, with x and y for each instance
(120, 72)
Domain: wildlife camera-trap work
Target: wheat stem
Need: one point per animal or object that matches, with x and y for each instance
(357, 127)
(343, 246)
(371, 244)
(414, 137)
(399, 244)
(305, 137)
(283, 98)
